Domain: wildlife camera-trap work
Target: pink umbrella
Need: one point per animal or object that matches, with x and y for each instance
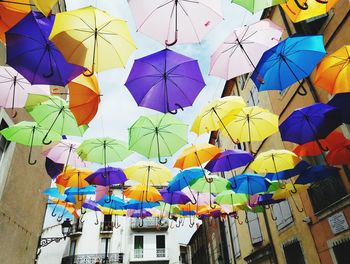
(242, 49)
(64, 152)
(202, 198)
(14, 88)
(101, 191)
(176, 20)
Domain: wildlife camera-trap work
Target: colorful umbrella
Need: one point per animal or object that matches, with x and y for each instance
(28, 134)
(31, 53)
(112, 202)
(246, 45)
(254, 6)
(107, 177)
(251, 124)
(288, 192)
(310, 123)
(157, 136)
(286, 174)
(45, 6)
(80, 191)
(340, 155)
(172, 198)
(249, 183)
(53, 169)
(52, 112)
(137, 205)
(288, 62)
(299, 10)
(231, 198)
(176, 21)
(92, 38)
(91, 205)
(142, 193)
(165, 81)
(14, 89)
(210, 117)
(341, 101)
(317, 173)
(332, 73)
(73, 177)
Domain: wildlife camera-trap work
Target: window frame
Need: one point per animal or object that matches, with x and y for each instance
(285, 221)
(249, 222)
(290, 243)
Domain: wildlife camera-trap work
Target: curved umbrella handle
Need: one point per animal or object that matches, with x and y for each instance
(53, 214)
(141, 222)
(273, 217)
(81, 218)
(109, 199)
(168, 44)
(237, 218)
(294, 189)
(161, 161)
(116, 224)
(176, 111)
(96, 222)
(322, 2)
(89, 73)
(302, 7)
(178, 223)
(302, 91)
(44, 140)
(171, 224)
(300, 210)
(83, 211)
(191, 223)
(30, 162)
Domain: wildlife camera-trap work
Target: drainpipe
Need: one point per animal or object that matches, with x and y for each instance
(231, 239)
(272, 245)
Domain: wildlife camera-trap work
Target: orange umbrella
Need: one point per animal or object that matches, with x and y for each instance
(10, 15)
(142, 193)
(72, 177)
(332, 141)
(332, 74)
(84, 98)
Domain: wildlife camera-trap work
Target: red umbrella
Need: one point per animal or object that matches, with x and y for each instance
(340, 155)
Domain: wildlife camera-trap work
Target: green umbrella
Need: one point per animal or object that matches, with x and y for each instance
(232, 198)
(53, 113)
(257, 5)
(213, 184)
(157, 135)
(28, 134)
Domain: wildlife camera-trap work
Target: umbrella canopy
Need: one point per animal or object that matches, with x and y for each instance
(201, 198)
(317, 173)
(176, 21)
(157, 135)
(251, 124)
(92, 38)
(340, 155)
(332, 73)
(52, 112)
(246, 45)
(80, 191)
(142, 193)
(183, 179)
(299, 10)
(288, 62)
(140, 214)
(310, 123)
(274, 161)
(137, 205)
(84, 98)
(286, 174)
(64, 152)
(176, 197)
(106, 177)
(249, 183)
(232, 198)
(341, 101)
(92, 205)
(165, 81)
(14, 88)
(254, 6)
(28, 134)
(73, 178)
(31, 53)
(210, 117)
(229, 160)
(288, 191)
(53, 169)
(148, 173)
(45, 6)
(112, 202)
(53, 192)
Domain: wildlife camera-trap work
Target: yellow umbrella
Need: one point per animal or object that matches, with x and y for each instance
(274, 161)
(288, 192)
(92, 38)
(45, 6)
(110, 211)
(251, 124)
(299, 10)
(332, 74)
(142, 193)
(210, 116)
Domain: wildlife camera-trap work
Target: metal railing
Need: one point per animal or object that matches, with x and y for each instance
(138, 253)
(149, 223)
(161, 253)
(112, 258)
(149, 254)
(106, 226)
(77, 228)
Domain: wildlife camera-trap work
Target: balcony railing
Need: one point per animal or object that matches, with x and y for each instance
(106, 227)
(149, 254)
(149, 223)
(77, 228)
(112, 258)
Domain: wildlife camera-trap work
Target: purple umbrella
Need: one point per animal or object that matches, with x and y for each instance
(165, 81)
(107, 176)
(177, 197)
(139, 213)
(53, 169)
(89, 204)
(31, 53)
(229, 160)
(310, 123)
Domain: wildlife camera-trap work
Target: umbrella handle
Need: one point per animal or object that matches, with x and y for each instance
(109, 199)
(302, 7)
(82, 217)
(191, 224)
(162, 162)
(178, 223)
(89, 73)
(273, 217)
(30, 162)
(322, 2)
(175, 40)
(239, 222)
(44, 140)
(302, 91)
(141, 222)
(300, 210)
(53, 214)
(83, 211)
(194, 198)
(116, 224)
(96, 222)
(175, 111)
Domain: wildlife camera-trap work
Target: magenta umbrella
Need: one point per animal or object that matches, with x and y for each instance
(64, 152)
(14, 89)
(243, 48)
(176, 20)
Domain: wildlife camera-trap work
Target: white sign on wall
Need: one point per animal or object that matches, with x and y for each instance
(338, 223)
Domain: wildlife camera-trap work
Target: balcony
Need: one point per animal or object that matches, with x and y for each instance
(106, 227)
(149, 224)
(159, 254)
(93, 259)
(77, 229)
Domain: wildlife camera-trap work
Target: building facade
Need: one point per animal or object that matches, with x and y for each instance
(22, 204)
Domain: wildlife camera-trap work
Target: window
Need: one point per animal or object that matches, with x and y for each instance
(253, 97)
(254, 228)
(3, 142)
(235, 239)
(73, 244)
(138, 247)
(341, 251)
(105, 246)
(315, 25)
(293, 253)
(107, 224)
(160, 244)
(242, 79)
(283, 214)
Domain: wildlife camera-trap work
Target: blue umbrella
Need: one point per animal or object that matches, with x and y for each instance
(317, 173)
(286, 174)
(81, 191)
(54, 192)
(341, 101)
(249, 183)
(288, 62)
(137, 205)
(310, 123)
(112, 202)
(229, 160)
(31, 53)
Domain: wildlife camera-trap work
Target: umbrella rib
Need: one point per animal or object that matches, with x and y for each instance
(116, 51)
(185, 96)
(80, 43)
(189, 18)
(82, 20)
(115, 34)
(146, 62)
(144, 76)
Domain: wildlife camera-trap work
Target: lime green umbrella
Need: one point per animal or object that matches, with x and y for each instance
(157, 135)
(28, 134)
(211, 184)
(257, 5)
(232, 198)
(53, 113)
